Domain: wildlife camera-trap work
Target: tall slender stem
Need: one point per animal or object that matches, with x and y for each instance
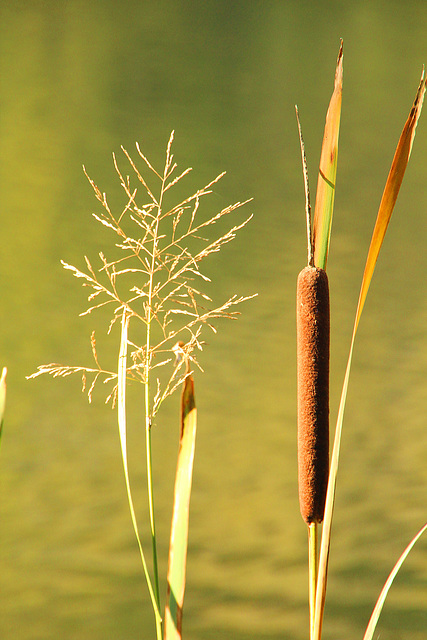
(312, 571)
(148, 447)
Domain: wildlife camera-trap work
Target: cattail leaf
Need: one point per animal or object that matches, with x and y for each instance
(2, 398)
(370, 629)
(391, 190)
(180, 516)
(325, 195)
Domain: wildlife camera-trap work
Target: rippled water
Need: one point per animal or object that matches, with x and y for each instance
(77, 81)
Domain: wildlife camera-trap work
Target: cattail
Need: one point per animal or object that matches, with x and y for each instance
(313, 391)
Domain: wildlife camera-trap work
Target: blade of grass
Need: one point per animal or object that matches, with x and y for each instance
(2, 398)
(180, 517)
(369, 633)
(388, 201)
(121, 415)
(325, 195)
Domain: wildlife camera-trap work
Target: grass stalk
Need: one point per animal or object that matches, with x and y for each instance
(148, 321)
(148, 447)
(150, 492)
(149, 464)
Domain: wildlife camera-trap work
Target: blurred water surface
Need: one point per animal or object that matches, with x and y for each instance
(80, 79)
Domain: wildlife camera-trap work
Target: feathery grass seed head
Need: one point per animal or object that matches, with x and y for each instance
(156, 278)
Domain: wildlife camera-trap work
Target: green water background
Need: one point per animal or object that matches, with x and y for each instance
(79, 79)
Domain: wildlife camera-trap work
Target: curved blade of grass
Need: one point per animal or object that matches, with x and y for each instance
(180, 516)
(391, 190)
(121, 416)
(324, 207)
(369, 633)
(2, 398)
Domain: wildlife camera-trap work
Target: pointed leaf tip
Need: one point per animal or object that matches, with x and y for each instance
(188, 402)
(339, 69)
(391, 191)
(322, 222)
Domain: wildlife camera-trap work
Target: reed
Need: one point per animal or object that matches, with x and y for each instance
(317, 501)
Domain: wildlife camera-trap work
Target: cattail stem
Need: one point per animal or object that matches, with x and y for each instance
(313, 326)
(312, 571)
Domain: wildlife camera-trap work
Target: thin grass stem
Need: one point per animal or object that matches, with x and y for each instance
(148, 448)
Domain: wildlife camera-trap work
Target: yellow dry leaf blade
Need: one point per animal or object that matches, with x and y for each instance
(180, 515)
(391, 190)
(325, 195)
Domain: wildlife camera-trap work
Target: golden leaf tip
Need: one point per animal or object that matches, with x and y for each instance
(339, 68)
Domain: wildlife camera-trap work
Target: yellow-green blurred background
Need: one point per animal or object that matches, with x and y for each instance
(79, 79)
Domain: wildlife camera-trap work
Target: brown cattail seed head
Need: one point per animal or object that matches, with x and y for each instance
(313, 326)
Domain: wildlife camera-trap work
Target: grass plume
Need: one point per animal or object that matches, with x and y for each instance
(162, 273)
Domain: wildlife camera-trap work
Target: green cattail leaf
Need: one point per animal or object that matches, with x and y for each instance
(370, 629)
(391, 190)
(2, 398)
(325, 195)
(180, 517)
